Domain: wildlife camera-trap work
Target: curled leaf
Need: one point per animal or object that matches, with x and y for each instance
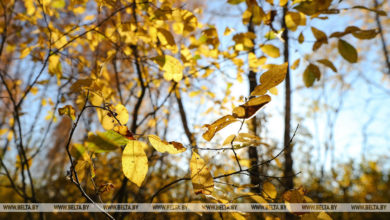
(271, 78)
(172, 147)
(250, 108)
(217, 125)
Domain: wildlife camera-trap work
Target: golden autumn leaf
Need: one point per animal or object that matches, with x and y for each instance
(347, 51)
(294, 19)
(270, 50)
(123, 114)
(271, 78)
(110, 119)
(250, 108)
(173, 69)
(202, 181)
(172, 147)
(165, 37)
(295, 64)
(135, 162)
(68, 110)
(217, 125)
(238, 216)
(269, 190)
(55, 65)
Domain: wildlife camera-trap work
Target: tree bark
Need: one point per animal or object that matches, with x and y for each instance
(288, 161)
(252, 151)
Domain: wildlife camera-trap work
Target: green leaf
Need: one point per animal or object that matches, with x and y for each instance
(347, 51)
(312, 73)
(105, 141)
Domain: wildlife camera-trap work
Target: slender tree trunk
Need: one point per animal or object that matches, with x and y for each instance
(288, 161)
(253, 124)
(383, 41)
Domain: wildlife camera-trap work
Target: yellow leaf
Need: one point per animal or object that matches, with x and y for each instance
(294, 19)
(250, 108)
(312, 73)
(273, 91)
(24, 52)
(257, 198)
(347, 51)
(217, 125)
(10, 135)
(135, 162)
(30, 7)
(34, 90)
(228, 140)
(323, 216)
(270, 50)
(163, 146)
(202, 181)
(271, 78)
(283, 2)
(165, 37)
(3, 131)
(269, 190)
(123, 114)
(237, 216)
(227, 31)
(295, 64)
(55, 65)
(68, 110)
(173, 69)
(79, 10)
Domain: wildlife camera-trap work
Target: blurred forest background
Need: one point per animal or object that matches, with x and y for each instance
(72, 71)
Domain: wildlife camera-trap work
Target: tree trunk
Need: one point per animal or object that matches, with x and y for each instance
(288, 161)
(252, 152)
